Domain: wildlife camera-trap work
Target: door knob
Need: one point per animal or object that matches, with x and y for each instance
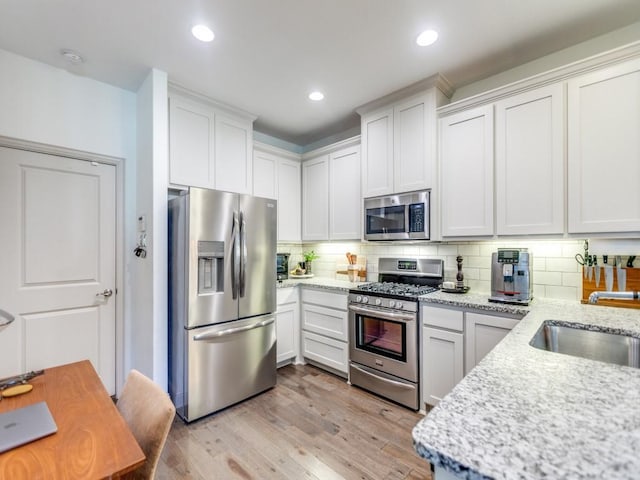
(5, 318)
(106, 293)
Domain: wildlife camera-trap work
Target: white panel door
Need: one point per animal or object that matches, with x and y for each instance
(530, 162)
(315, 199)
(466, 163)
(442, 363)
(191, 143)
(377, 153)
(233, 172)
(483, 333)
(344, 197)
(413, 166)
(604, 150)
(57, 251)
(289, 201)
(265, 175)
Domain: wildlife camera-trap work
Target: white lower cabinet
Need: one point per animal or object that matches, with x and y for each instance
(483, 333)
(324, 329)
(287, 326)
(453, 342)
(442, 352)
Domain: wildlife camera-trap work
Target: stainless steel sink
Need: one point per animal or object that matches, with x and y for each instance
(573, 340)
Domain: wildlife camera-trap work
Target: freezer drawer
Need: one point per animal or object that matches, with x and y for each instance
(225, 364)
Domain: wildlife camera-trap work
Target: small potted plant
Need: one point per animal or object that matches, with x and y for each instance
(308, 258)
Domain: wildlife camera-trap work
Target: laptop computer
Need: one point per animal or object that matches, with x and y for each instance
(24, 425)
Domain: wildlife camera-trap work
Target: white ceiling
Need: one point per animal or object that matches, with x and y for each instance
(269, 54)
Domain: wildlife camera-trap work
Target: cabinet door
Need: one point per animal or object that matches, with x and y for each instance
(344, 195)
(377, 153)
(530, 162)
(466, 162)
(442, 363)
(413, 161)
(265, 175)
(604, 150)
(315, 199)
(287, 332)
(191, 143)
(233, 172)
(483, 333)
(289, 200)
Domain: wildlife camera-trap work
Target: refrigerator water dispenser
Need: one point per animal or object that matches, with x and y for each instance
(210, 267)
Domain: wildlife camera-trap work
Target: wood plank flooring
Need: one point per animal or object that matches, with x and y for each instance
(312, 425)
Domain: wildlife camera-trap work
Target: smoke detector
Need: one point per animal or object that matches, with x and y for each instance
(71, 56)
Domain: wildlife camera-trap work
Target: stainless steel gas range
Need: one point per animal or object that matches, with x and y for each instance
(384, 328)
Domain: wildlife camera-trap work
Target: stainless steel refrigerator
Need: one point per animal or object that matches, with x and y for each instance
(222, 299)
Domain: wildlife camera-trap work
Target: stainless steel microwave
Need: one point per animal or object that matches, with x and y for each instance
(404, 216)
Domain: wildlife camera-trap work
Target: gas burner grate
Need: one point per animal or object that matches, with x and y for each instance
(399, 289)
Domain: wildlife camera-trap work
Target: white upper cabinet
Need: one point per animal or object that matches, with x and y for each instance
(399, 139)
(315, 198)
(265, 174)
(377, 153)
(233, 154)
(466, 163)
(344, 194)
(604, 150)
(276, 174)
(331, 200)
(529, 153)
(209, 146)
(191, 144)
(289, 201)
(414, 144)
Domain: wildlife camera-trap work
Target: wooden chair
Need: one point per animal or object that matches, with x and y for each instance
(149, 412)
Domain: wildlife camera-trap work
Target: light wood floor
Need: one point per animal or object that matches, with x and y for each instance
(312, 425)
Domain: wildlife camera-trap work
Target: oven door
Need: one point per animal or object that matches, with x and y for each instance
(383, 340)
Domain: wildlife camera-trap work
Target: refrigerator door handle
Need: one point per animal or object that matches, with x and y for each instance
(235, 274)
(243, 255)
(231, 331)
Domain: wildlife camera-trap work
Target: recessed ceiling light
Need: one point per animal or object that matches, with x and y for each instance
(316, 96)
(427, 37)
(202, 33)
(71, 56)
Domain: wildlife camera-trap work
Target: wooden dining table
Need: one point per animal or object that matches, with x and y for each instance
(93, 441)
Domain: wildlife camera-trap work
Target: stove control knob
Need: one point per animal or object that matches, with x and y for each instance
(378, 301)
(392, 303)
(359, 299)
(365, 299)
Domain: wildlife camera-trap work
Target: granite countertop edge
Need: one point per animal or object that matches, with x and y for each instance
(528, 414)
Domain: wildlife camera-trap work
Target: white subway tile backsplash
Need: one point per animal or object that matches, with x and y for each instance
(556, 273)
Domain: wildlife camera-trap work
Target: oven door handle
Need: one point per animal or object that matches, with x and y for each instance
(385, 380)
(399, 317)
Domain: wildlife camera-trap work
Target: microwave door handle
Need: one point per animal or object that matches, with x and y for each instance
(243, 255)
(235, 270)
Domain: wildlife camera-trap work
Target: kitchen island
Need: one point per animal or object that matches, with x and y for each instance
(526, 413)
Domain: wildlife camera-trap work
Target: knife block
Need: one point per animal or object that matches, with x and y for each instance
(633, 283)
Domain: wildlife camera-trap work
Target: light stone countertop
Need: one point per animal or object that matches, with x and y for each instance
(323, 283)
(524, 413)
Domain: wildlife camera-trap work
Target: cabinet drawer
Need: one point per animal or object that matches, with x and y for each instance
(442, 318)
(286, 295)
(326, 351)
(325, 321)
(325, 298)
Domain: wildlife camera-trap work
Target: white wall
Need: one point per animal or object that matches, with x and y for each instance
(594, 46)
(147, 337)
(40, 103)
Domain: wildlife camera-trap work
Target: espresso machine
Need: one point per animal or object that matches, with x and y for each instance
(511, 280)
